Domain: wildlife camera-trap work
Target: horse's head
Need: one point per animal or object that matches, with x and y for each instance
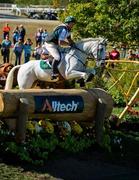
(93, 47)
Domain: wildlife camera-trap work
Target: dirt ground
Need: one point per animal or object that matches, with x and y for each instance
(89, 167)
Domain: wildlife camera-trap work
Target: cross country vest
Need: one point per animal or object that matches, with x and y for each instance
(53, 37)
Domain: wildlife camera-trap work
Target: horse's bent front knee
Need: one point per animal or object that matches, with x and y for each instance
(75, 75)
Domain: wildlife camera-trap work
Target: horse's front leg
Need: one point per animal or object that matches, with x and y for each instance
(76, 75)
(91, 72)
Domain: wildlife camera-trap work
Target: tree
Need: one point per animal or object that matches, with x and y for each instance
(117, 20)
(56, 3)
(33, 2)
(7, 1)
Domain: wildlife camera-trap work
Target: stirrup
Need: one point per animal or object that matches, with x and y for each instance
(54, 77)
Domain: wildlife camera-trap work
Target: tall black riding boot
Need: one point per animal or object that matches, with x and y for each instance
(54, 69)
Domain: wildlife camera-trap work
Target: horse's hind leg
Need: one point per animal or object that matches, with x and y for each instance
(25, 83)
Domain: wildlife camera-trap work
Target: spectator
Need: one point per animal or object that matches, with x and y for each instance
(6, 30)
(18, 49)
(123, 51)
(131, 55)
(15, 34)
(27, 50)
(137, 54)
(114, 55)
(38, 51)
(5, 49)
(38, 36)
(22, 32)
(44, 35)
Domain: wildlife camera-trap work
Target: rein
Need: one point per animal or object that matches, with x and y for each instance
(78, 58)
(80, 50)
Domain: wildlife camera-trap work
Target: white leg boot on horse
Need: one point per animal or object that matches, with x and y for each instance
(76, 74)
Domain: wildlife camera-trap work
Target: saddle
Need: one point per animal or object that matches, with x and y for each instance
(48, 65)
(45, 64)
(43, 84)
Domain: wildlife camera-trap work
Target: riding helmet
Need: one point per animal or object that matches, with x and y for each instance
(70, 19)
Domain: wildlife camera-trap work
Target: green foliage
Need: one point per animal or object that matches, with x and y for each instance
(39, 145)
(115, 20)
(35, 150)
(7, 1)
(106, 142)
(118, 98)
(131, 118)
(118, 81)
(55, 3)
(75, 144)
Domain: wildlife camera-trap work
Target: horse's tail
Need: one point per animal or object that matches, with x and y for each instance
(10, 78)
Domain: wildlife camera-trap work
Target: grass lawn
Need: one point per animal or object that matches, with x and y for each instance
(17, 173)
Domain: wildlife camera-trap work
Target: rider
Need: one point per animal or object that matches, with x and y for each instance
(61, 36)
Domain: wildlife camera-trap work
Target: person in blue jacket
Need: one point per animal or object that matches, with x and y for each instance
(5, 49)
(18, 49)
(27, 50)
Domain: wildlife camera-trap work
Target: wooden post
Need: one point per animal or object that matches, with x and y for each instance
(21, 120)
(99, 120)
(128, 105)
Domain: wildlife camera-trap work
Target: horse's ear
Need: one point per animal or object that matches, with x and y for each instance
(106, 42)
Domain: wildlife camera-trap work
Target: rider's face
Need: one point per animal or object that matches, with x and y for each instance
(71, 24)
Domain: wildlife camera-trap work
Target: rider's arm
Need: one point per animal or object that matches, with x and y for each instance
(71, 42)
(63, 37)
(63, 43)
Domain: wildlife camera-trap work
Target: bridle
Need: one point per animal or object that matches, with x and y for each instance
(89, 56)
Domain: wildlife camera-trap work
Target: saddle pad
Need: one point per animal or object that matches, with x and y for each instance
(45, 65)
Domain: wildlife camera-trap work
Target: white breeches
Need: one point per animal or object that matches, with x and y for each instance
(53, 50)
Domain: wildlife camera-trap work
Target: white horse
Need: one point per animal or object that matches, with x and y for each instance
(71, 66)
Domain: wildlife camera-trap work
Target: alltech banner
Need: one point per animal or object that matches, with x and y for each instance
(58, 104)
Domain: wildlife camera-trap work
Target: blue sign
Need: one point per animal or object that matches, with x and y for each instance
(58, 104)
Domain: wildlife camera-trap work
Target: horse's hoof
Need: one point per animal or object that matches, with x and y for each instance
(90, 77)
(55, 80)
(54, 77)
